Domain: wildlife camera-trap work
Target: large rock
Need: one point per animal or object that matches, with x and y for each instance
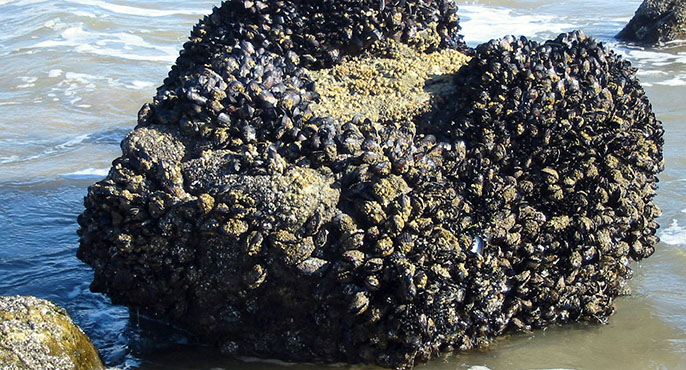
(36, 334)
(656, 21)
(335, 181)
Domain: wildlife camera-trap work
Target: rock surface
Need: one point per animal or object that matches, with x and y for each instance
(36, 334)
(656, 21)
(276, 202)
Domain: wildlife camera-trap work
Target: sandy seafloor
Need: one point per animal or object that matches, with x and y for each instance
(74, 74)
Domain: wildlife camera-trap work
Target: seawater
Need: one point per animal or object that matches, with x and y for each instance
(74, 74)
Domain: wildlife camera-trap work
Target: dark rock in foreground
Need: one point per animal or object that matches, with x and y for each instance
(656, 21)
(35, 334)
(241, 212)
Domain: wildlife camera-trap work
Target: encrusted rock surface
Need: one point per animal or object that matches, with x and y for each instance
(36, 334)
(656, 21)
(404, 83)
(269, 201)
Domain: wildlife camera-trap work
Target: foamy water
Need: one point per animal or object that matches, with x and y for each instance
(75, 73)
(674, 234)
(482, 23)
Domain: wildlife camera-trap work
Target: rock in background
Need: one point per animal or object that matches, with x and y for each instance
(36, 334)
(509, 195)
(656, 21)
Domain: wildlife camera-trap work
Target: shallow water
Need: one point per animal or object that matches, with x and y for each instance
(75, 73)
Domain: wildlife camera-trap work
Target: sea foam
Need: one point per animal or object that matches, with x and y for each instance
(141, 12)
(674, 234)
(482, 23)
(87, 174)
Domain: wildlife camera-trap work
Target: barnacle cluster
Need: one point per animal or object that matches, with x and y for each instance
(262, 206)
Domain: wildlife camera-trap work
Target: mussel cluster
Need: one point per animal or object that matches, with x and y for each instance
(239, 213)
(560, 170)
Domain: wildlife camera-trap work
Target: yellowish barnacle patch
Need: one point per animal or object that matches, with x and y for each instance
(403, 84)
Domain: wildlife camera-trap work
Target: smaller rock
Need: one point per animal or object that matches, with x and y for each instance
(656, 21)
(37, 334)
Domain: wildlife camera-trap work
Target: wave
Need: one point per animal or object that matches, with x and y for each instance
(87, 174)
(674, 234)
(116, 45)
(106, 137)
(48, 150)
(21, 2)
(679, 80)
(141, 12)
(648, 59)
(54, 73)
(482, 23)
(9, 159)
(73, 87)
(73, 142)
(139, 85)
(28, 82)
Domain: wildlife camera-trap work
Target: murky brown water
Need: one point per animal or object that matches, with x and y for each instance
(75, 72)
